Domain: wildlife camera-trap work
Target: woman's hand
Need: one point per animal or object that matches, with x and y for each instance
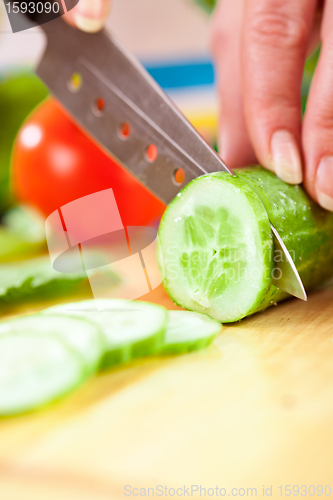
(260, 47)
(89, 15)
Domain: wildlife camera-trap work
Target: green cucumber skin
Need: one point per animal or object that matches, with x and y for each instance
(266, 240)
(306, 228)
(128, 353)
(196, 345)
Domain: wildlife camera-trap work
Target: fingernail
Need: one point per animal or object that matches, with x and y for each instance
(89, 15)
(285, 157)
(324, 183)
(87, 24)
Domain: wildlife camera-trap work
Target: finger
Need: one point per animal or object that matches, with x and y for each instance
(318, 121)
(233, 138)
(275, 39)
(89, 15)
(314, 39)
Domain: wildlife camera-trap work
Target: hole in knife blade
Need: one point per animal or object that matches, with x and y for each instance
(99, 106)
(124, 130)
(178, 176)
(75, 82)
(151, 153)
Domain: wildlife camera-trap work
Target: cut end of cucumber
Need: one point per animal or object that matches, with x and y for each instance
(216, 248)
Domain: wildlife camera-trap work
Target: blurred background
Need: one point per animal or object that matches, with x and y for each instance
(169, 37)
(41, 146)
(46, 161)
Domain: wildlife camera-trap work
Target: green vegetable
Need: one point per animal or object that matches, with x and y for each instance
(131, 329)
(81, 336)
(189, 331)
(35, 370)
(212, 236)
(308, 73)
(216, 247)
(22, 233)
(27, 222)
(13, 246)
(45, 355)
(19, 95)
(34, 276)
(306, 229)
(208, 5)
(36, 279)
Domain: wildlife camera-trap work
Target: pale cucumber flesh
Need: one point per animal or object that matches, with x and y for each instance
(216, 248)
(81, 336)
(35, 370)
(189, 331)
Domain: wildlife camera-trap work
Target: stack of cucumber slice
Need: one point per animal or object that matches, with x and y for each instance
(130, 329)
(44, 356)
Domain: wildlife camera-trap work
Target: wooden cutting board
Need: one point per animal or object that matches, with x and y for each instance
(253, 410)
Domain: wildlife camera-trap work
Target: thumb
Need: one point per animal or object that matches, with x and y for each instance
(89, 15)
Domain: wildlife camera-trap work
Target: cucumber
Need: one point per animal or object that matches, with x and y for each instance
(36, 279)
(131, 329)
(306, 228)
(189, 331)
(35, 370)
(81, 336)
(22, 234)
(30, 277)
(216, 248)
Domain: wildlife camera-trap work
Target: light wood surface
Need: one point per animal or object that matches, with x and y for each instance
(254, 409)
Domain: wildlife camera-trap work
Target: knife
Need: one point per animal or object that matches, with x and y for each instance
(113, 97)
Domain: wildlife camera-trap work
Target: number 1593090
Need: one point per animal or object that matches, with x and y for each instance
(304, 490)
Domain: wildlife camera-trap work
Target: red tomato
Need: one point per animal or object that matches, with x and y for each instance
(54, 162)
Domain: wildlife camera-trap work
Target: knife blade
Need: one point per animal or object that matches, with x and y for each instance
(104, 88)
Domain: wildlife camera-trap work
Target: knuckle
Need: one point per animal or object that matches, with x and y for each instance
(276, 109)
(278, 29)
(322, 119)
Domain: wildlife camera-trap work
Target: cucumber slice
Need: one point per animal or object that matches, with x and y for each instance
(131, 329)
(35, 370)
(81, 336)
(30, 277)
(189, 331)
(216, 248)
(36, 279)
